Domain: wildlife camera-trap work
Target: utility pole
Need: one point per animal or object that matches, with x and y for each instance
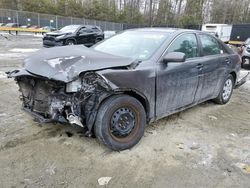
(150, 12)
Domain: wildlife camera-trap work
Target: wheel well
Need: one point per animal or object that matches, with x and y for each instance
(99, 39)
(141, 99)
(234, 76)
(71, 39)
(134, 94)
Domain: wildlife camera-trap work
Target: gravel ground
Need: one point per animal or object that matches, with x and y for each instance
(205, 146)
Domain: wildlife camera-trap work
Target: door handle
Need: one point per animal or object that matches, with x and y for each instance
(200, 66)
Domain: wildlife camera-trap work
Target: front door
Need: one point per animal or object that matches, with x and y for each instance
(177, 83)
(82, 37)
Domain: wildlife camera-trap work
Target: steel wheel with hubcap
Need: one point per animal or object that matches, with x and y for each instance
(226, 90)
(120, 122)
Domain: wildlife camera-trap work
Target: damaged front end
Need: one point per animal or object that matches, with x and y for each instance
(75, 102)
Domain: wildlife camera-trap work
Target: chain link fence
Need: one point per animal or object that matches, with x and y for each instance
(42, 20)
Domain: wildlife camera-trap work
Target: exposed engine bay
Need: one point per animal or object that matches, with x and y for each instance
(75, 102)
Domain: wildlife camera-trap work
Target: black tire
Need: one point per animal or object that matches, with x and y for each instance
(223, 98)
(70, 42)
(98, 40)
(120, 122)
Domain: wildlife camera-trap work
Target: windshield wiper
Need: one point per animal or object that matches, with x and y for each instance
(135, 63)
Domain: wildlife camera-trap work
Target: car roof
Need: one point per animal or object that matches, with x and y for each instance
(163, 30)
(84, 26)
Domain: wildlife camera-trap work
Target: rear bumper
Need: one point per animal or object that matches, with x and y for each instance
(242, 81)
(245, 53)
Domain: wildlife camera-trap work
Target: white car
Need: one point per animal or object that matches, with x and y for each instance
(108, 34)
(246, 52)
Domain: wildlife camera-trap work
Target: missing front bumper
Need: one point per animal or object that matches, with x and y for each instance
(39, 118)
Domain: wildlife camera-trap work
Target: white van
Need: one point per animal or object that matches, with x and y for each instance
(222, 31)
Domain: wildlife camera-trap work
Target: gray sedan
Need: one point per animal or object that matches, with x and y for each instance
(132, 79)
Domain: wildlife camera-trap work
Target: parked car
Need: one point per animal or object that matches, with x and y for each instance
(74, 34)
(25, 26)
(127, 81)
(108, 34)
(245, 52)
(12, 25)
(49, 28)
(34, 27)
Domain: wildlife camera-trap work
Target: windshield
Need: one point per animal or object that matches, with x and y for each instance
(70, 28)
(134, 44)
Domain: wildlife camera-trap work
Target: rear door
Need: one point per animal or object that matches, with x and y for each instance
(213, 68)
(176, 83)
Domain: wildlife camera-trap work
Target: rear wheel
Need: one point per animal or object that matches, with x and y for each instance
(120, 122)
(226, 90)
(98, 40)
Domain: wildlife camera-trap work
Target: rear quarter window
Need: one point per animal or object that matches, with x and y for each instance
(210, 46)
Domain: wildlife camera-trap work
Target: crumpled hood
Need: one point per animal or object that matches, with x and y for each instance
(66, 63)
(58, 33)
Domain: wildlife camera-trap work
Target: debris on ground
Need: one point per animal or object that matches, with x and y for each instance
(104, 180)
(244, 167)
(194, 146)
(180, 145)
(51, 169)
(212, 117)
(152, 132)
(247, 168)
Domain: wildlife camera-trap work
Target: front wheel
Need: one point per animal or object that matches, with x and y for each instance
(226, 90)
(120, 122)
(70, 42)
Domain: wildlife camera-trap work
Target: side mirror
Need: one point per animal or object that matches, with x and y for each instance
(174, 57)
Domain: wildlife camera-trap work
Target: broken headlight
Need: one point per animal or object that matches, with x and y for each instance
(74, 86)
(88, 83)
(60, 37)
